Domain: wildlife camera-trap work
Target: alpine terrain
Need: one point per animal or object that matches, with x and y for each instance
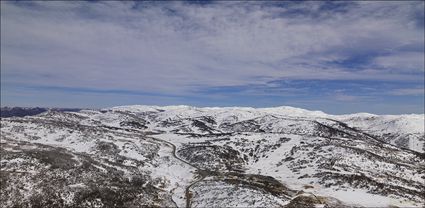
(182, 156)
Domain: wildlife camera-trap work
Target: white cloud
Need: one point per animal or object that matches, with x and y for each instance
(408, 91)
(409, 61)
(174, 47)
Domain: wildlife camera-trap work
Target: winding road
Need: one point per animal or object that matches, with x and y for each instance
(174, 149)
(199, 171)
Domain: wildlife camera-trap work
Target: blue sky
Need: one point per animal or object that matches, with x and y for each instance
(338, 57)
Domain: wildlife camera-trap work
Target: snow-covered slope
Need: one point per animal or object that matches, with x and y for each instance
(405, 131)
(135, 156)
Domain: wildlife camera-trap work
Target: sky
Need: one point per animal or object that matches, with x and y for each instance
(338, 57)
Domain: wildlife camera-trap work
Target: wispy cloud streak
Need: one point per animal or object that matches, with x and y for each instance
(182, 49)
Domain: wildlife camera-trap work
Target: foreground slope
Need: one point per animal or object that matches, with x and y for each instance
(172, 156)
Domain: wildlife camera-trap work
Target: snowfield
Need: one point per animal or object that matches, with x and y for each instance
(183, 156)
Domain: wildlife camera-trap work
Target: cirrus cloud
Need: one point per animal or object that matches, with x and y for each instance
(182, 48)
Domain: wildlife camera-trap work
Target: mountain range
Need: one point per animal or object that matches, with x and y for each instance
(183, 156)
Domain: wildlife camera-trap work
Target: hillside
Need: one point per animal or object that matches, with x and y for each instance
(185, 156)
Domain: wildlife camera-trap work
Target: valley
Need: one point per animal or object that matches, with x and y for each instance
(182, 156)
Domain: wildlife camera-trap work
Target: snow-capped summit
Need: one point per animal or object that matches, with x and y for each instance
(405, 131)
(175, 156)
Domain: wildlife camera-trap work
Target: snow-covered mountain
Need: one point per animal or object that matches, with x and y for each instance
(132, 156)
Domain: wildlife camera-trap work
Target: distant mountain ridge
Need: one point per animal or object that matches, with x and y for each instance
(405, 130)
(183, 156)
(6, 112)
